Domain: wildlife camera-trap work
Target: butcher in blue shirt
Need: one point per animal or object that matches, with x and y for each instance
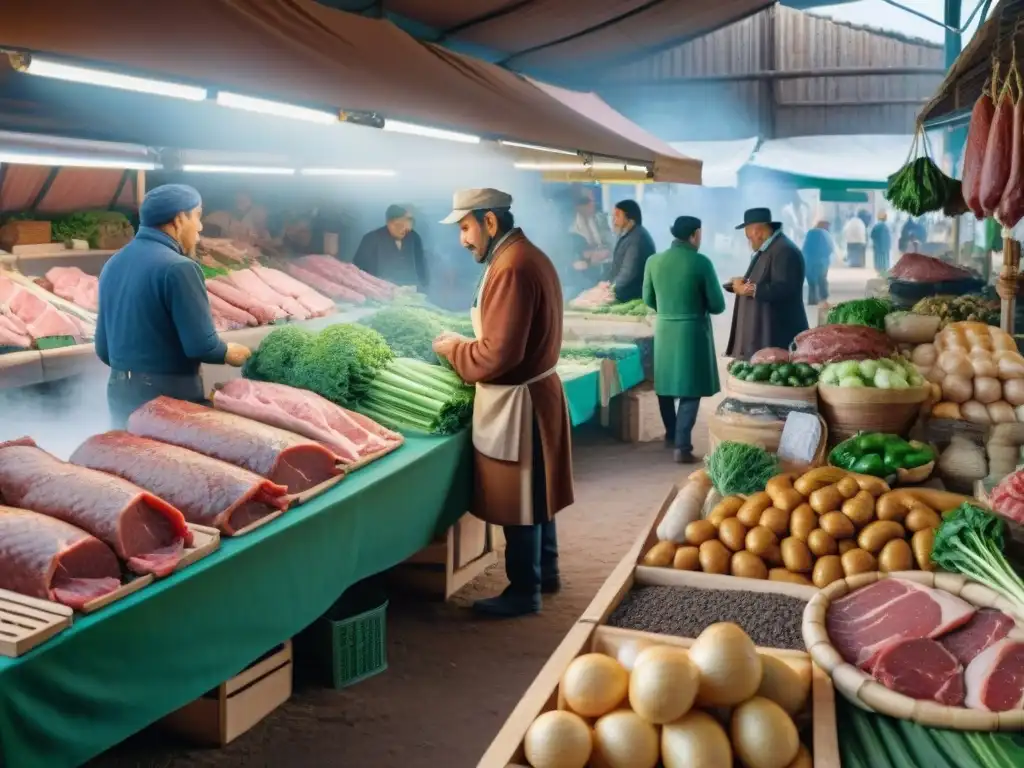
(154, 327)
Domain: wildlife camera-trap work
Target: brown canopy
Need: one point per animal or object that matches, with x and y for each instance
(303, 53)
(564, 35)
(972, 69)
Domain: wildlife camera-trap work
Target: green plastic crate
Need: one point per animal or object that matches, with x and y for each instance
(55, 342)
(355, 647)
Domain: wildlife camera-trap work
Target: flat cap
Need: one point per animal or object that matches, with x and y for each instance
(465, 201)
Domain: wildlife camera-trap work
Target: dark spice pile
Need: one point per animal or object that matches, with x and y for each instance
(771, 620)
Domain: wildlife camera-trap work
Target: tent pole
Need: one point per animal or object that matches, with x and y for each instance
(140, 188)
(1006, 287)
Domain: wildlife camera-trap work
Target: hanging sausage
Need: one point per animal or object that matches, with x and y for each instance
(977, 140)
(1011, 206)
(995, 169)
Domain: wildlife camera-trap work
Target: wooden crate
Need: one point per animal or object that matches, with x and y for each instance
(506, 751)
(236, 705)
(634, 416)
(463, 553)
(18, 233)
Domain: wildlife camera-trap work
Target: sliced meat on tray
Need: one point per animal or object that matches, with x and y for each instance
(988, 627)
(246, 280)
(207, 491)
(263, 312)
(145, 531)
(995, 679)
(230, 312)
(351, 436)
(329, 287)
(74, 285)
(921, 669)
(863, 623)
(44, 557)
(280, 456)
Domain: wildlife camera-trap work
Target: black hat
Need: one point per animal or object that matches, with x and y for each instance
(684, 227)
(758, 216)
(397, 212)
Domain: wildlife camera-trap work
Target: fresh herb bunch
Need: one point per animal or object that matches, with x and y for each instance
(409, 331)
(868, 312)
(970, 541)
(740, 468)
(632, 308)
(411, 395)
(920, 186)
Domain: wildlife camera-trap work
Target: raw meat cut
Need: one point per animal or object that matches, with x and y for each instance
(76, 286)
(863, 623)
(263, 312)
(974, 154)
(207, 491)
(918, 268)
(12, 333)
(1007, 498)
(329, 287)
(41, 319)
(228, 249)
(834, 343)
(317, 304)
(349, 275)
(988, 626)
(146, 532)
(282, 457)
(246, 280)
(770, 355)
(349, 435)
(230, 311)
(921, 669)
(49, 559)
(995, 679)
(995, 169)
(599, 296)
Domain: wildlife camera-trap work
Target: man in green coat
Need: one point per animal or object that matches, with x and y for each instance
(680, 284)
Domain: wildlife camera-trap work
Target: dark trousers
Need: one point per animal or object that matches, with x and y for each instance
(855, 253)
(128, 391)
(531, 551)
(679, 420)
(817, 287)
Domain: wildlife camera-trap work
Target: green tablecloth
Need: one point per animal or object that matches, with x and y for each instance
(583, 393)
(631, 371)
(135, 661)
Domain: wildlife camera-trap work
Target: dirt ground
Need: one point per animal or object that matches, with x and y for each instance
(453, 678)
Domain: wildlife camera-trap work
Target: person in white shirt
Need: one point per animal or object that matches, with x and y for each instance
(855, 234)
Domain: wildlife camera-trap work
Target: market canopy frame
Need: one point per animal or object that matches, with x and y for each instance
(308, 55)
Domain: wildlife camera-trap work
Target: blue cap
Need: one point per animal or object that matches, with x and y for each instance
(162, 204)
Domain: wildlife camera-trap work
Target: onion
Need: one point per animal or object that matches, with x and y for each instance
(1013, 391)
(1001, 412)
(924, 355)
(986, 390)
(1011, 365)
(983, 364)
(947, 410)
(957, 362)
(975, 412)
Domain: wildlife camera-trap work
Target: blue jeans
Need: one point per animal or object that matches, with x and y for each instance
(679, 420)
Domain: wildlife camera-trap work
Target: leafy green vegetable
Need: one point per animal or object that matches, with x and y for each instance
(409, 331)
(633, 308)
(276, 357)
(970, 541)
(412, 395)
(736, 468)
(607, 351)
(370, 354)
(868, 312)
(89, 226)
(211, 272)
(920, 186)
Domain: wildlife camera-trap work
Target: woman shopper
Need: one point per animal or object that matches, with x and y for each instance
(681, 285)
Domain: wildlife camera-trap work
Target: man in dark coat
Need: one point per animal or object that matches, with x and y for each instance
(394, 252)
(632, 250)
(769, 308)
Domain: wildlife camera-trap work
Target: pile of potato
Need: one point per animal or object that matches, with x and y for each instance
(813, 529)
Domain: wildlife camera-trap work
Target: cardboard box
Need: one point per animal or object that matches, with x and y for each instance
(635, 417)
(236, 705)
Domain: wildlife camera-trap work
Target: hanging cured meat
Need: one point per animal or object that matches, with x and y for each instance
(207, 491)
(1011, 206)
(43, 557)
(146, 532)
(974, 154)
(995, 170)
(278, 455)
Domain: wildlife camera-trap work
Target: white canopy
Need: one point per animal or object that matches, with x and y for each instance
(722, 159)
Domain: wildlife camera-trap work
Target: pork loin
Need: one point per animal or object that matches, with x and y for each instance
(44, 557)
(280, 456)
(145, 531)
(921, 669)
(207, 491)
(995, 679)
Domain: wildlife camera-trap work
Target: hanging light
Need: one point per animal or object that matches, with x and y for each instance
(536, 148)
(247, 169)
(42, 67)
(276, 108)
(398, 126)
(28, 158)
(346, 172)
(581, 167)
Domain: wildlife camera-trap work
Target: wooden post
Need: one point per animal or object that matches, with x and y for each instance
(140, 187)
(1006, 287)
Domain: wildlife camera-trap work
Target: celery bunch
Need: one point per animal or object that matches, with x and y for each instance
(411, 395)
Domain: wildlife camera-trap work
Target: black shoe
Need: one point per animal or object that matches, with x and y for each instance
(686, 457)
(508, 605)
(670, 443)
(551, 586)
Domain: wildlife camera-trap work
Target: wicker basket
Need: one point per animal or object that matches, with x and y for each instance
(849, 410)
(865, 692)
(769, 393)
(767, 437)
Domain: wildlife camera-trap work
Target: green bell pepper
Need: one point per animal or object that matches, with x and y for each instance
(918, 458)
(870, 464)
(874, 442)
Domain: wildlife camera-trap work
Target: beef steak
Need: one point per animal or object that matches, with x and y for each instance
(921, 669)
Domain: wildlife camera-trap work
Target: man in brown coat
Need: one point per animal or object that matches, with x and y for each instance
(521, 438)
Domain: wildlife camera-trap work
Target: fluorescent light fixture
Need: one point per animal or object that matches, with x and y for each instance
(26, 158)
(277, 108)
(536, 148)
(248, 169)
(89, 76)
(346, 172)
(397, 126)
(581, 167)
